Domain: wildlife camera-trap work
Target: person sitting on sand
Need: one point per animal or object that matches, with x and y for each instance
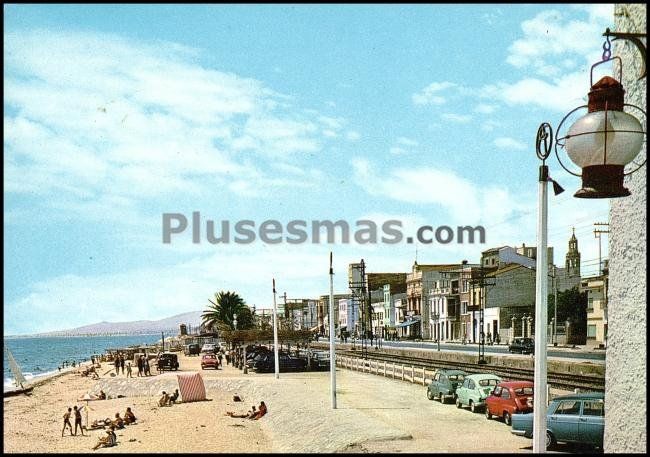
(102, 395)
(109, 440)
(249, 415)
(164, 400)
(129, 417)
(118, 422)
(174, 397)
(66, 421)
(261, 411)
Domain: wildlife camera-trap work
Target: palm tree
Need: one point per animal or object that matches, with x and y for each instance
(220, 313)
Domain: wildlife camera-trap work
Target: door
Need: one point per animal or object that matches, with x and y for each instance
(462, 391)
(592, 422)
(563, 423)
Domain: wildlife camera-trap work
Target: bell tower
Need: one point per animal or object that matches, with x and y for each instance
(572, 264)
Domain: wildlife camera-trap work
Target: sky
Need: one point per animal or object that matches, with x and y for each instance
(426, 114)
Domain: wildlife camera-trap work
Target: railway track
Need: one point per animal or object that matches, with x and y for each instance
(564, 381)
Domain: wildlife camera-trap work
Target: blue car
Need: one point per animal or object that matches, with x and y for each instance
(575, 418)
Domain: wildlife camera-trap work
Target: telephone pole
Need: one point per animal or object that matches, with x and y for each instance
(482, 283)
(597, 233)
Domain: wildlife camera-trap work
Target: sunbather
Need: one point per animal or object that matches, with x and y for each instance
(129, 417)
(164, 400)
(118, 422)
(249, 415)
(109, 440)
(174, 396)
(261, 411)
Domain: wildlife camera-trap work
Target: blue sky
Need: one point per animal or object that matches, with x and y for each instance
(114, 114)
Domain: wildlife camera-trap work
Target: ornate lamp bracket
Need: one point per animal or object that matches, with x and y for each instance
(634, 38)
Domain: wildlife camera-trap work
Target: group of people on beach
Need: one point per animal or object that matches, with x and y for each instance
(107, 441)
(253, 414)
(120, 363)
(168, 400)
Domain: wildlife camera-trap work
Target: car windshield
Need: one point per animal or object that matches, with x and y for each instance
(456, 377)
(209, 356)
(524, 391)
(488, 382)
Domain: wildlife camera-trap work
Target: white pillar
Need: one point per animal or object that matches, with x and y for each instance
(541, 318)
(275, 335)
(332, 347)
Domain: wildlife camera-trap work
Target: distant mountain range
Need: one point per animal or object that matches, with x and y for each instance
(169, 324)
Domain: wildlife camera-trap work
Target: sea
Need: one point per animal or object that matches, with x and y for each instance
(41, 356)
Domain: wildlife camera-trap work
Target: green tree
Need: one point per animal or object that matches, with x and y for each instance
(571, 305)
(220, 314)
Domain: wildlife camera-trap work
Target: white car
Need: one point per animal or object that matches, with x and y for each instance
(209, 347)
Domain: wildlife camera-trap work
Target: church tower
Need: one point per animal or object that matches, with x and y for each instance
(572, 264)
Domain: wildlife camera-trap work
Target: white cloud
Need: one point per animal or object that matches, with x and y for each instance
(95, 114)
(407, 141)
(509, 143)
(353, 135)
(457, 118)
(430, 95)
(397, 150)
(552, 36)
(483, 108)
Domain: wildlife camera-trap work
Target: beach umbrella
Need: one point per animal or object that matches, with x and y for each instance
(87, 398)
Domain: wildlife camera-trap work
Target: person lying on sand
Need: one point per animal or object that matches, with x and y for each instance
(249, 415)
(164, 400)
(129, 417)
(109, 440)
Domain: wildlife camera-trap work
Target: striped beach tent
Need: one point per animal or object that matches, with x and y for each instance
(191, 387)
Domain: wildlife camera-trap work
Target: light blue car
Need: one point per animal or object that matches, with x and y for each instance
(575, 418)
(475, 389)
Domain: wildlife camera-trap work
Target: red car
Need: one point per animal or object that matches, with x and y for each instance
(209, 361)
(508, 398)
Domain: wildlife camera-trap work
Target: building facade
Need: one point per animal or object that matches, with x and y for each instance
(626, 362)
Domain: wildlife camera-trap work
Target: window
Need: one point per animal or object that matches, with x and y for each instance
(488, 382)
(524, 391)
(456, 377)
(497, 391)
(505, 394)
(568, 407)
(593, 408)
(471, 384)
(591, 331)
(465, 285)
(590, 304)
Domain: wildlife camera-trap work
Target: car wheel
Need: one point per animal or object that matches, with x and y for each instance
(458, 403)
(442, 398)
(429, 394)
(550, 440)
(488, 415)
(506, 418)
(472, 406)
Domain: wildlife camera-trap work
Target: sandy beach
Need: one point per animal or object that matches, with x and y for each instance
(374, 414)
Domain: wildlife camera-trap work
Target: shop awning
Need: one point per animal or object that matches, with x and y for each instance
(406, 323)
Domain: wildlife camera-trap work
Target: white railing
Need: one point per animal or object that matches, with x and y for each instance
(408, 373)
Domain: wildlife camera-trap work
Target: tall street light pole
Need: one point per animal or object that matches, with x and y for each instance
(275, 334)
(332, 348)
(544, 137)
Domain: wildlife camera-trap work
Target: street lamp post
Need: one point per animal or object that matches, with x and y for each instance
(436, 318)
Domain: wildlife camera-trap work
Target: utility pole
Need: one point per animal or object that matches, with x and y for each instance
(275, 335)
(483, 284)
(597, 232)
(332, 348)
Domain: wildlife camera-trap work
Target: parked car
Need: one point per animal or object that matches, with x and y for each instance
(575, 418)
(509, 398)
(475, 389)
(444, 384)
(319, 360)
(209, 361)
(209, 347)
(266, 364)
(522, 345)
(167, 361)
(192, 349)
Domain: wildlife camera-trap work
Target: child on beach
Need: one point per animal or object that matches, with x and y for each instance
(164, 400)
(128, 370)
(66, 421)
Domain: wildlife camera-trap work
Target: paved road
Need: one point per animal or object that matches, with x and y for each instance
(566, 353)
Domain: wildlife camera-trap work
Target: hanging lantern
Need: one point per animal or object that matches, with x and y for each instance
(603, 141)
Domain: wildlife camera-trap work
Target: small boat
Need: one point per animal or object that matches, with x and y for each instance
(19, 379)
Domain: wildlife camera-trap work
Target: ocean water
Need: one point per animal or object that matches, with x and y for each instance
(41, 356)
